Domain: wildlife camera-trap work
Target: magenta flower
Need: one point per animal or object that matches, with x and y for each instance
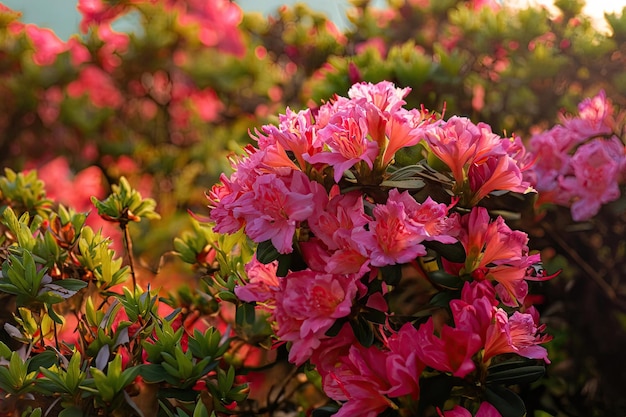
(403, 364)
(451, 352)
(361, 379)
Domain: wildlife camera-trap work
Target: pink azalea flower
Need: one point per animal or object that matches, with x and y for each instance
(262, 285)
(344, 212)
(516, 334)
(459, 143)
(451, 352)
(485, 410)
(497, 172)
(594, 117)
(391, 239)
(403, 364)
(274, 207)
(384, 95)
(346, 142)
(361, 379)
(307, 305)
(597, 170)
(295, 133)
(494, 251)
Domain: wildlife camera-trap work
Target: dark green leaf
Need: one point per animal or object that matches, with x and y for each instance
(363, 331)
(521, 375)
(434, 391)
(508, 403)
(443, 279)
(375, 316)
(266, 252)
(45, 359)
(452, 252)
(325, 411)
(392, 274)
(245, 314)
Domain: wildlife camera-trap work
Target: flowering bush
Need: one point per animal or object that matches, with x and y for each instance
(393, 238)
(338, 221)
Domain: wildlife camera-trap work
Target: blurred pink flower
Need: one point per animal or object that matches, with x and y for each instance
(114, 44)
(96, 12)
(98, 86)
(597, 168)
(217, 20)
(46, 43)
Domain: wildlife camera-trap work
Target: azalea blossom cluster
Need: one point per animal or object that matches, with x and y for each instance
(322, 193)
(581, 162)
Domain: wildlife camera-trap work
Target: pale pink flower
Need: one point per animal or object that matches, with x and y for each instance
(384, 95)
(307, 305)
(346, 142)
(596, 167)
(262, 284)
(594, 117)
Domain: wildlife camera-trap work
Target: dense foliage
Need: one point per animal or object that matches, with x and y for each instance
(161, 108)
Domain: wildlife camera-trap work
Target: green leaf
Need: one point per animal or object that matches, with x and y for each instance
(508, 403)
(514, 372)
(266, 252)
(363, 331)
(392, 274)
(245, 314)
(434, 391)
(325, 411)
(446, 280)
